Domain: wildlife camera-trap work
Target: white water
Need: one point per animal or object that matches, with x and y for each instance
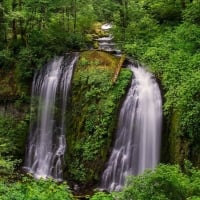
(106, 27)
(46, 142)
(106, 43)
(137, 144)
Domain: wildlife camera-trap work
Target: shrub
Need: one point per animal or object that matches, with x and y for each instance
(166, 182)
(30, 189)
(102, 196)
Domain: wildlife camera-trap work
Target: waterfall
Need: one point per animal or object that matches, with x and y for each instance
(106, 43)
(46, 142)
(137, 143)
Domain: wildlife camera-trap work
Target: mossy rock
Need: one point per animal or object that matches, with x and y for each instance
(11, 88)
(181, 147)
(89, 37)
(92, 115)
(8, 86)
(96, 45)
(97, 30)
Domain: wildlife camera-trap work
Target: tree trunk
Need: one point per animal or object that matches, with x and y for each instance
(183, 4)
(123, 12)
(5, 37)
(68, 19)
(22, 29)
(74, 14)
(14, 27)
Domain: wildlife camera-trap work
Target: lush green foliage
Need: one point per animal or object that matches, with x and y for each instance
(31, 190)
(164, 183)
(102, 196)
(12, 142)
(93, 114)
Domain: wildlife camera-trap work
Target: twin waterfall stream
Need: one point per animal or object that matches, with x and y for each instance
(137, 140)
(137, 143)
(46, 143)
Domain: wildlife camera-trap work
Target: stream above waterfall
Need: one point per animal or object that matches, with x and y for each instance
(106, 43)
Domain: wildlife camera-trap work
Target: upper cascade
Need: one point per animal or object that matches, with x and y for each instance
(137, 143)
(106, 43)
(106, 27)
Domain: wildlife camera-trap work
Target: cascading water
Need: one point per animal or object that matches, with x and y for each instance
(46, 142)
(106, 43)
(137, 143)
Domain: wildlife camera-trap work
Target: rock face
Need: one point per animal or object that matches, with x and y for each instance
(177, 148)
(95, 102)
(14, 112)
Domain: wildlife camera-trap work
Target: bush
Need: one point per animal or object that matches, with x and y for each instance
(12, 141)
(102, 196)
(164, 11)
(192, 13)
(6, 59)
(166, 182)
(34, 190)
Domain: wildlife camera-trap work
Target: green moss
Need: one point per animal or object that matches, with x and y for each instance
(179, 145)
(8, 85)
(12, 88)
(97, 30)
(176, 145)
(93, 114)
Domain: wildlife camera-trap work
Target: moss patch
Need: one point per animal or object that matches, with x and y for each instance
(179, 145)
(97, 31)
(8, 86)
(93, 113)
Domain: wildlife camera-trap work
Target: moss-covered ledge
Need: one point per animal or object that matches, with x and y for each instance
(92, 115)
